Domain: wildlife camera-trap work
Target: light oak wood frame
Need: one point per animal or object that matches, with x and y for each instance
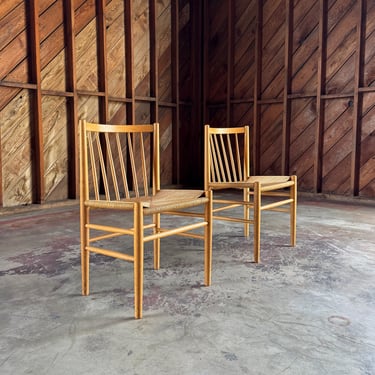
(227, 166)
(112, 178)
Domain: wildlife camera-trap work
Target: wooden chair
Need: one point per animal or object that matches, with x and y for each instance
(227, 166)
(120, 173)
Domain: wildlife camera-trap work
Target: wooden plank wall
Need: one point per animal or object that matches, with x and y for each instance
(302, 74)
(110, 61)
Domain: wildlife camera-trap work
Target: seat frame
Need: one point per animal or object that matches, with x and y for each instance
(227, 166)
(153, 202)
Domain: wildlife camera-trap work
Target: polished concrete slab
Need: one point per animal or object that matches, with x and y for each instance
(304, 310)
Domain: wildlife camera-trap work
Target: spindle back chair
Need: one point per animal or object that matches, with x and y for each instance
(120, 173)
(227, 166)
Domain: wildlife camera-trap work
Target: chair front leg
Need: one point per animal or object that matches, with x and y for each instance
(138, 259)
(257, 220)
(293, 212)
(208, 239)
(156, 221)
(246, 211)
(85, 254)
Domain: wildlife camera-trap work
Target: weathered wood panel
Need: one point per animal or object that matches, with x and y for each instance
(337, 147)
(272, 62)
(271, 139)
(13, 57)
(369, 53)
(7, 6)
(86, 52)
(88, 108)
(313, 68)
(305, 48)
(302, 139)
(164, 52)
(185, 43)
(115, 24)
(217, 66)
(341, 46)
(367, 161)
(166, 145)
(244, 52)
(55, 148)
(243, 114)
(141, 48)
(16, 152)
(13, 50)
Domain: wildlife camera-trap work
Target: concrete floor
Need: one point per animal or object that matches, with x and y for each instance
(305, 310)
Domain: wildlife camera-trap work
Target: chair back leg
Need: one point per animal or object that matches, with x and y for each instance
(138, 260)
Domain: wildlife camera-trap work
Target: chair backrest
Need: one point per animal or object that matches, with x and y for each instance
(227, 156)
(119, 161)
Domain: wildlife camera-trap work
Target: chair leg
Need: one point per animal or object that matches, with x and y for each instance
(208, 241)
(293, 212)
(85, 254)
(257, 219)
(138, 260)
(246, 212)
(156, 220)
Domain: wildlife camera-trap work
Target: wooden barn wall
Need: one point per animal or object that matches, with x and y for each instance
(301, 73)
(114, 61)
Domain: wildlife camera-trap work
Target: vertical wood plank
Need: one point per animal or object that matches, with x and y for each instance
(285, 155)
(102, 60)
(36, 97)
(357, 113)
(257, 90)
(72, 102)
(129, 63)
(206, 63)
(195, 135)
(175, 27)
(230, 60)
(323, 10)
(154, 62)
(196, 55)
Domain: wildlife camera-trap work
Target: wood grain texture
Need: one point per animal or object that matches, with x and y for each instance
(16, 152)
(116, 49)
(55, 148)
(367, 160)
(141, 48)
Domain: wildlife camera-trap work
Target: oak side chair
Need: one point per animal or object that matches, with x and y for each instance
(227, 166)
(120, 173)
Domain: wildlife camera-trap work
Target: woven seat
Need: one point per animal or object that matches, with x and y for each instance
(227, 166)
(119, 170)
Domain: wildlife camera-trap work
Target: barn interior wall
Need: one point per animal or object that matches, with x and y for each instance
(300, 73)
